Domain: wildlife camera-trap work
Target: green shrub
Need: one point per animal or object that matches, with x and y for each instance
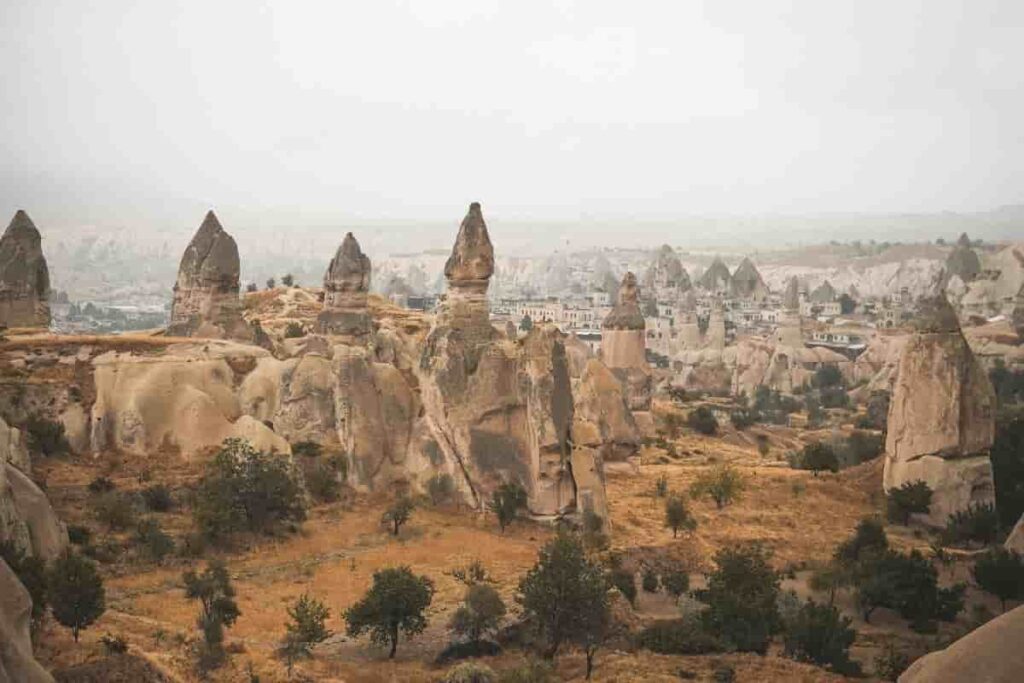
(46, 436)
(101, 484)
(157, 498)
(819, 634)
(723, 484)
(441, 488)
(1007, 456)
(323, 482)
(76, 592)
(307, 449)
(909, 498)
(78, 534)
(480, 614)
(858, 448)
(593, 530)
(703, 421)
(818, 457)
(470, 672)
(625, 582)
(869, 538)
(244, 489)
(306, 627)
(155, 544)
(649, 581)
(114, 510)
(506, 502)
(685, 636)
(395, 603)
(742, 418)
(677, 516)
(979, 523)
(675, 581)
(742, 598)
(398, 514)
(891, 663)
(764, 445)
(532, 671)
(907, 584)
(1000, 572)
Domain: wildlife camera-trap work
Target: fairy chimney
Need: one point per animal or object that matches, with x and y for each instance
(346, 284)
(24, 277)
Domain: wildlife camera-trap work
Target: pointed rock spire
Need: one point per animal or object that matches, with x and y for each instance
(206, 302)
(346, 284)
(24, 276)
(472, 258)
(626, 314)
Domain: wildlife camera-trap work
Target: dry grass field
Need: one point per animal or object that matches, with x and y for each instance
(335, 552)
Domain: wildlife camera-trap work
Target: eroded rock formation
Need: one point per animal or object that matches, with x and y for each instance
(624, 343)
(716, 279)
(346, 284)
(17, 663)
(963, 261)
(206, 302)
(747, 283)
(990, 653)
(24, 277)
(941, 417)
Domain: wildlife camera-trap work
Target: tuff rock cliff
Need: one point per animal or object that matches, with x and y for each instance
(941, 416)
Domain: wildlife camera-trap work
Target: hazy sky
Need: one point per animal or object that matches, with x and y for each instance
(116, 111)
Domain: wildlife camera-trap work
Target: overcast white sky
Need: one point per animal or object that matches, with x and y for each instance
(387, 109)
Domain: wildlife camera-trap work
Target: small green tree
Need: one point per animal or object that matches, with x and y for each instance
(907, 499)
(564, 594)
(1001, 573)
(526, 323)
(649, 580)
(979, 523)
(307, 627)
(244, 489)
(271, 283)
(480, 614)
(742, 598)
(472, 574)
(114, 510)
(395, 603)
(218, 609)
(287, 280)
(723, 484)
(819, 634)
(506, 502)
(77, 597)
(593, 530)
(868, 539)
(155, 544)
(703, 421)
(676, 582)
(623, 580)
(441, 488)
(398, 514)
(661, 486)
(677, 516)
(819, 457)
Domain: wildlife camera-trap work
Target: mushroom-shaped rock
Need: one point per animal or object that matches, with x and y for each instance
(468, 270)
(346, 284)
(472, 260)
(24, 277)
(941, 417)
(206, 302)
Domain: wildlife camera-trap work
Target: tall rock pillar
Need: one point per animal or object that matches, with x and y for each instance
(346, 284)
(24, 277)
(206, 302)
(624, 343)
(468, 271)
(941, 417)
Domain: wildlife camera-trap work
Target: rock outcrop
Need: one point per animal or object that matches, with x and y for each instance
(1015, 541)
(941, 417)
(206, 301)
(468, 272)
(624, 344)
(746, 282)
(346, 284)
(962, 261)
(24, 277)
(716, 279)
(791, 297)
(666, 277)
(17, 664)
(990, 653)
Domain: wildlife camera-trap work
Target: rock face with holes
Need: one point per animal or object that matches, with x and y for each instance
(624, 344)
(941, 417)
(24, 277)
(206, 302)
(346, 284)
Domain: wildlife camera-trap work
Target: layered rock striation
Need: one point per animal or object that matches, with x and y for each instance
(24, 277)
(941, 416)
(206, 294)
(346, 284)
